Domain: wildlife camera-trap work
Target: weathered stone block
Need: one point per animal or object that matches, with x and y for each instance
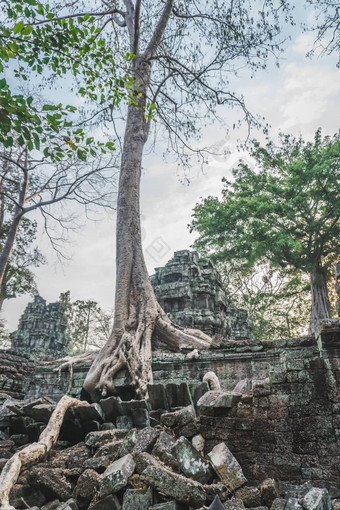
(116, 476)
(215, 401)
(317, 499)
(124, 422)
(278, 504)
(234, 504)
(137, 499)
(178, 395)
(157, 397)
(145, 439)
(250, 496)
(109, 503)
(174, 485)
(93, 412)
(86, 487)
(112, 407)
(163, 450)
(190, 461)
(293, 504)
(227, 467)
(216, 504)
(128, 443)
(51, 482)
(70, 504)
(269, 492)
(97, 438)
(178, 418)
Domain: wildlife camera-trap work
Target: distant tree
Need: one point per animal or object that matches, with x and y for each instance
(286, 212)
(278, 305)
(18, 277)
(89, 327)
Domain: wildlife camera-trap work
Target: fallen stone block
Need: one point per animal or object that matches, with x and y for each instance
(86, 488)
(251, 496)
(189, 430)
(109, 503)
(162, 450)
(290, 490)
(143, 460)
(112, 407)
(108, 426)
(216, 504)
(174, 485)
(137, 499)
(167, 505)
(97, 438)
(128, 443)
(20, 439)
(317, 499)
(99, 464)
(269, 492)
(51, 482)
(178, 395)
(145, 439)
(278, 504)
(190, 461)
(227, 467)
(216, 489)
(40, 412)
(109, 450)
(93, 412)
(157, 397)
(68, 505)
(178, 418)
(30, 494)
(124, 422)
(293, 504)
(140, 418)
(116, 476)
(213, 401)
(234, 504)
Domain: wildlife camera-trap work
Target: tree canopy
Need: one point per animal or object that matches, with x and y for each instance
(285, 211)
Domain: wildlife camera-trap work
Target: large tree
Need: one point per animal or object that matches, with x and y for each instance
(285, 211)
(184, 53)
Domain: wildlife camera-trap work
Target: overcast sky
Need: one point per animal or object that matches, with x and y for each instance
(297, 98)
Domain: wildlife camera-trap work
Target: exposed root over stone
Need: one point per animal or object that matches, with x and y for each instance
(212, 380)
(131, 349)
(34, 452)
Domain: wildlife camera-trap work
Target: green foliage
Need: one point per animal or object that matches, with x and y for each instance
(40, 43)
(18, 277)
(278, 304)
(286, 211)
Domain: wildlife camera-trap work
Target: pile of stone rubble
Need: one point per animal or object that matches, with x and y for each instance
(138, 455)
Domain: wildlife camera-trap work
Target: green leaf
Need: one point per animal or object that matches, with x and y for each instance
(18, 27)
(27, 30)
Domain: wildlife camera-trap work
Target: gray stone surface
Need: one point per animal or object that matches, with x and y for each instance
(137, 499)
(178, 418)
(116, 476)
(317, 499)
(174, 485)
(226, 466)
(97, 438)
(190, 461)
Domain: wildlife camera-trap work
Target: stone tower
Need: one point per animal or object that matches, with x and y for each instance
(190, 290)
(42, 330)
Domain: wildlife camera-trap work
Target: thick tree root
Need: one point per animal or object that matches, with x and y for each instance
(131, 348)
(34, 452)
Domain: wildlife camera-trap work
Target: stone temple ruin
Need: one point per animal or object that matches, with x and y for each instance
(42, 330)
(190, 290)
(268, 439)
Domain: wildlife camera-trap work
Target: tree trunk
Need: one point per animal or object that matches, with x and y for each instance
(137, 313)
(321, 308)
(8, 246)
